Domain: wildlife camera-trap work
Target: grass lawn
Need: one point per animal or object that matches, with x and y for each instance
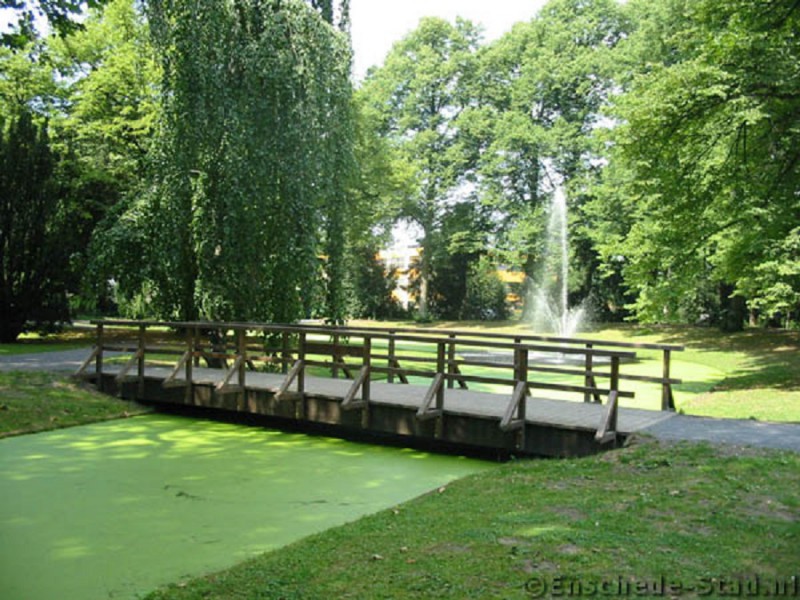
(32, 343)
(758, 371)
(687, 512)
(32, 401)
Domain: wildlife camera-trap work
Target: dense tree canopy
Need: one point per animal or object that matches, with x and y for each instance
(33, 251)
(541, 92)
(418, 96)
(707, 166)
(252, 163)
(213, 160)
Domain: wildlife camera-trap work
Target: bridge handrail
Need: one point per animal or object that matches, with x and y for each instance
(207, 325)
(446, 340)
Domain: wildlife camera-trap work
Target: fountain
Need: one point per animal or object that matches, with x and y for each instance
(549, 298)
(551, 312)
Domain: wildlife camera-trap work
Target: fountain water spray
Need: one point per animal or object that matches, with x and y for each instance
(551, 311)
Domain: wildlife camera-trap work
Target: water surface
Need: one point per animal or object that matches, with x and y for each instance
(113, 510)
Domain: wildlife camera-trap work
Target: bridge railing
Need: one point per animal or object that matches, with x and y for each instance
(589, 370)
(447, 358)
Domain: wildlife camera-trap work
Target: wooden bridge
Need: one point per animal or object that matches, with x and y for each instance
(524, 394)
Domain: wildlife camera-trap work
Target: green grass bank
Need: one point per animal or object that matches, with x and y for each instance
(692, 514)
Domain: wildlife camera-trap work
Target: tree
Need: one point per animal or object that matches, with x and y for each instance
(538, 101)
(485, 297)
(109, 81)
(27, 83)
(61, 15)
(461, 242)
(252, 163)
(419, 94)
(707, 155)
(372, 285)
(32, 250)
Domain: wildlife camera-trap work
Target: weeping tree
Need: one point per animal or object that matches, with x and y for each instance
(250, 169)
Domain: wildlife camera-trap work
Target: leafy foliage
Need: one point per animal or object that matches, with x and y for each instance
(108, 80)
(32, 250)
(708, 162)
(541, 90)
(61, 15)
(252, 162)
(485, 297)
(417, 97)
(372, 286)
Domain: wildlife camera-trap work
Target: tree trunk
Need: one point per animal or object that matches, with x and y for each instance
(733, 309)
(425, 277)
(10, 328)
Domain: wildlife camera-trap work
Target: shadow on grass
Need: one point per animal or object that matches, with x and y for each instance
(772, 357)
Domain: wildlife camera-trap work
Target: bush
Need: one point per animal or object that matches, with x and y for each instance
(485, 299)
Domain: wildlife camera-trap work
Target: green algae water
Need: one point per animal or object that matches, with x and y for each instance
(114, 510)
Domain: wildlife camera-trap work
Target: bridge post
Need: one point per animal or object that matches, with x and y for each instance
(521, 375)
(301, 355)
(366, 366)
(390, 361)
(190, 348)
(518, 341)
(451, 356)
(613, 393)
(588, 379)
(521, 368)
(441, 368)
(196, 345)
(98, 361)
(285, 352)
(667, 400)
(140, 361)
(241, 338)
(336, 357)
(366, 362)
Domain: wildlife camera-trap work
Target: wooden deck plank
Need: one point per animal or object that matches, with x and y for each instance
(564, 413)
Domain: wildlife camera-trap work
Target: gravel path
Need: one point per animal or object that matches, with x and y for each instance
(736, 432)
(62, 360)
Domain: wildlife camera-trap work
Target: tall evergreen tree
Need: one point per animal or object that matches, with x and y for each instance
(33, 254)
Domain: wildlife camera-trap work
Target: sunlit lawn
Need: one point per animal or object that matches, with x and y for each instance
(33, 401)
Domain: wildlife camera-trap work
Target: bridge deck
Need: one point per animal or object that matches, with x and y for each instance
(469, 403)
(568, 373)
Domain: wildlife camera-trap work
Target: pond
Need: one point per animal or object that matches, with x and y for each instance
(113, 510)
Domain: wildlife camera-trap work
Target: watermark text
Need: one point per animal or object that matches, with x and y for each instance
(755, 586)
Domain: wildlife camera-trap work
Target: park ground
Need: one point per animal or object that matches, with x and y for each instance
(681, 514)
